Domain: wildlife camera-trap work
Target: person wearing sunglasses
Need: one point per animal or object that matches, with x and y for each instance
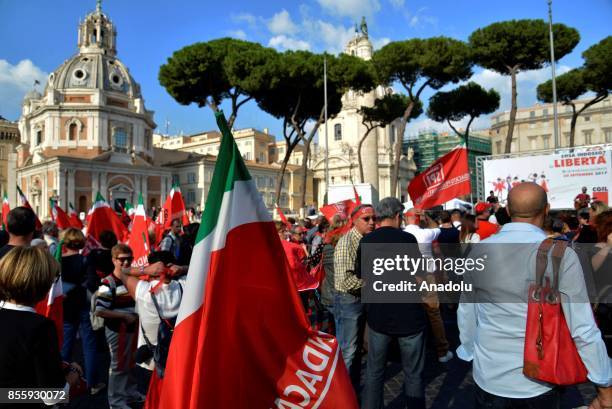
(117, 307)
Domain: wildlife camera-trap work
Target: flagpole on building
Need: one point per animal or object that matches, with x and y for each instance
(325, 198)
(554, 83)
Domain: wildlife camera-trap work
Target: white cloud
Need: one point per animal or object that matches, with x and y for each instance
(332, 38)
(397, 3)
(421, 19)
(237, 34)
(283, 42)
(350, 8)
(281, 23)
(526, 84)
(15, 82)
(247, 18)
(379, 43)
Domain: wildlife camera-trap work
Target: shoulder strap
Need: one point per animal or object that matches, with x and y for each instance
(557, 256)
(542, 260)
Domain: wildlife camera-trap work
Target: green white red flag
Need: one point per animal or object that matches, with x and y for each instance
(25, 203)
(59, 216)
(6, 208)
(102, 217)
(52, 305)
(74, 218)
(139, 237)
(242, 339)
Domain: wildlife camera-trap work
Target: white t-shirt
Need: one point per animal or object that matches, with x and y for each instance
(473, 238)
(424, 237)
(169, 300)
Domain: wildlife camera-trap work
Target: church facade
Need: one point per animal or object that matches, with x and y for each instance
(89, 131)
(345, 131)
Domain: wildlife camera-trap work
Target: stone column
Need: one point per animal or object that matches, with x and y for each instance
(137, 189)
(70, 190)
(145, 190)
(95, 185)
(60, 185)
(104, 184)
(44, 206)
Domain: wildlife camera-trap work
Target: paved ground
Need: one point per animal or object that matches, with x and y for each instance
(448, 386)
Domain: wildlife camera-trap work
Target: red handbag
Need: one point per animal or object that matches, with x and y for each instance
(550, 352)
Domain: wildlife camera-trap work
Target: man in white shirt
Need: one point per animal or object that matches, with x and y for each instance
(492, 334)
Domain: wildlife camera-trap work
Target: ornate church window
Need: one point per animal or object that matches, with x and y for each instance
(120, 138)
(337, 132)
(72, 132)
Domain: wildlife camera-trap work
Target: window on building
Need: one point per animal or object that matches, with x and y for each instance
(176, 179)
(588, 137)
(191, 177)
(498, 147)
(513, 145)
(191, 197)
(566, 138)
(568, 109)
(607, 135)
(246, 155)
(262, 157)
(38, 137)
(72, 132)
(545, 112)
(533, 143)
(281, 151)
(587, 119)
(337, 132)
(531, 114)
(546, 141)
(120, 139)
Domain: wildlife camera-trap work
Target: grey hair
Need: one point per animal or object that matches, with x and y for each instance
(388, 208)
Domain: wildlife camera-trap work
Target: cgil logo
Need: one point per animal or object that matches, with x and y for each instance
(434, 176)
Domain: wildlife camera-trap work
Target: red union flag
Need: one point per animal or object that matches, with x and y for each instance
(343, 209)
(447, 178)
(242, 339)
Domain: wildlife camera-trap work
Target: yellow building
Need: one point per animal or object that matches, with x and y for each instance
(534, 129)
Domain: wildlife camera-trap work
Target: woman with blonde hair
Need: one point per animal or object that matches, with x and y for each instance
(29, 351)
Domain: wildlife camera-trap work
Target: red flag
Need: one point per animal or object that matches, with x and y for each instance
(174, 208)
(52, 305)
(6, 208)
(447, 178)
(74, 218)
(343, 209)
(101, 217)
(139, 236)
(281, 215)
(357, 197)
(25, 203)
(59, 216)
(125, 218)
(242, 339)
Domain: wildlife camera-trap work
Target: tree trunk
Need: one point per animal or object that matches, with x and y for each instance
(281, 174)
(359, 161)
(399, 138)
(508, 148)
(307, 143)
(575, 115)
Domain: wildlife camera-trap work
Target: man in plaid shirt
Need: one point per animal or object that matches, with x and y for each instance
(347, 307)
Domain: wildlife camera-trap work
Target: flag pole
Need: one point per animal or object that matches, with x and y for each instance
(554, 83)
(326, 198)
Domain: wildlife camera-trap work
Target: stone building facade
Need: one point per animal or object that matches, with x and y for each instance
(89, 130)
(9, 138)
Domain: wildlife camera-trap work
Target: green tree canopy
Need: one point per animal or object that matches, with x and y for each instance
(467, 100)
(508, 47)
(598, 66)
(206, 73)
(417, 64)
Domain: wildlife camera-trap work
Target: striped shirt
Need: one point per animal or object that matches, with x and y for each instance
(114, 296)
(345, 254)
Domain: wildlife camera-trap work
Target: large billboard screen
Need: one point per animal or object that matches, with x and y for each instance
(561, 174)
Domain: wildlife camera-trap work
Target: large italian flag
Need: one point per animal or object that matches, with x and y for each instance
(242, 339)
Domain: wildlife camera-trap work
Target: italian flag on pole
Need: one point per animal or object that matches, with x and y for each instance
(139, 236)
(242, 339)
(6, 208)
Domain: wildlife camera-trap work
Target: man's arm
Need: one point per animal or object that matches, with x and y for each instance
(344, 267)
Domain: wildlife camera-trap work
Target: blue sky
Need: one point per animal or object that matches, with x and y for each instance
(38, 35)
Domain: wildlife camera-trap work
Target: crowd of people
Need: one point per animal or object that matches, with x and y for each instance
(123, 315)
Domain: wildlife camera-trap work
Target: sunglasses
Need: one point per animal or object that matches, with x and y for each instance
(368, 218)
(124, 259)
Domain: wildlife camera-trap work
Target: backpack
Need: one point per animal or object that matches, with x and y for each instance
(97, 322)
(164, 336)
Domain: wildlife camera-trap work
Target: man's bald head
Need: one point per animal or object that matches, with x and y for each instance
(527, 201)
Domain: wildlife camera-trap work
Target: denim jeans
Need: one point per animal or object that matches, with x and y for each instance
(412, 351)
(88, 340)
(549, 400)
(348, 313)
